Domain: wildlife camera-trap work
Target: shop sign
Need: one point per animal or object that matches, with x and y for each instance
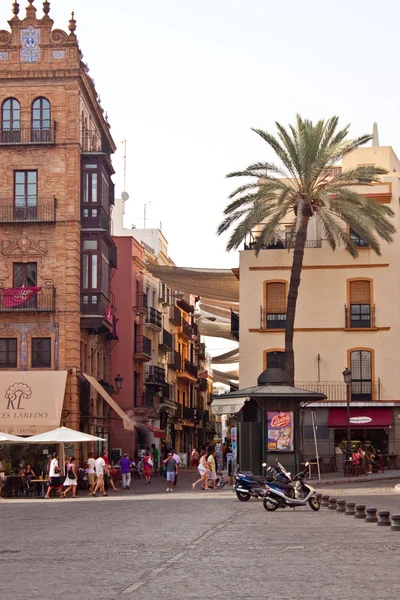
(280, 431)
(234, 442)
(360, 420)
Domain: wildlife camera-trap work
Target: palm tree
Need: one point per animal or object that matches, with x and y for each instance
(303, 185)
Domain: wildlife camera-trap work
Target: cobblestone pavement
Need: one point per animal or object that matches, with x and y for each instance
(196, 545)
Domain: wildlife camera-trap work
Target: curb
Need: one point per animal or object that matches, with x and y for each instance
(354, 480)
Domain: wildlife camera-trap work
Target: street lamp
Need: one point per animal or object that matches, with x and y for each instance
(347, 380)
(118, 383)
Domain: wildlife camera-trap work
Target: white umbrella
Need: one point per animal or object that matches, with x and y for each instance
(62, 435)
(7, 438)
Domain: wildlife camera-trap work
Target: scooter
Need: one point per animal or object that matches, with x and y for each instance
(284, 491)
(248, 486)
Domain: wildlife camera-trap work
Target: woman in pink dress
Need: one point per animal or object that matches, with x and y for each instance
(147, 467)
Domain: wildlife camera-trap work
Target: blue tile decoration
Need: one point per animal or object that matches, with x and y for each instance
(30, 40)
(3, 56)
(59, 55)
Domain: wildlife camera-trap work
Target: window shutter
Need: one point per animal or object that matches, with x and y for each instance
(276, 298)
(360, 292)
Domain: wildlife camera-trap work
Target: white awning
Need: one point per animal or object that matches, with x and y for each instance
(226, 406)
(127, 422)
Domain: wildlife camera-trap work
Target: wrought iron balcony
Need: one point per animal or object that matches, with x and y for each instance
(278, 243)
(166, 342)
(202, 350)
(203, 384)
(336, 390)
(142, 348)
(29, 299)
(178, 410)
(187, 329)
(273, 318)
(195, 329)
(188, 413)
(153, 318)
(174, 360)
(143, 398)
(28, 135)
(175, 315)
(155, 375)
(44, 211)
(95, 217)
(359, 316)
(96, 313)
(189, 367)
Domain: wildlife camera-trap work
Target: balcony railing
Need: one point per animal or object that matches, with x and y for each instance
(28, 135)
(278, 243)
(28, 299)
(174, 360)
(141, 301)
(143, 398)
(166, 340)
(195, 329)
(189, 367)
(178, 410)
(155, 375)
(359, 316)
(188, 413)
(95, 218)
(175, 315)
(96, 305)
(42, 212)
(142, 345)
(336, 390)
(272, 319)
(153, 317)
(202, 350)
(186, 329)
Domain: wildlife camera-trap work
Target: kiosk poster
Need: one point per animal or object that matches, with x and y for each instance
(280, 431)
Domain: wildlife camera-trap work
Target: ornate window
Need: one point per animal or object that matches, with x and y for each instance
(11, 121)
(41, 120)
(361, 374)
(8, 353)
(24, 275)
(41, 352)
(25, 195)
(274, 316)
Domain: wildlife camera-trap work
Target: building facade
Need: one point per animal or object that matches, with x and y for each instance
(347, 316)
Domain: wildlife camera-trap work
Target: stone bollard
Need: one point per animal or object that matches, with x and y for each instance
(371, 515)
(384, 520)
(360, 512)
(350, 508)
(319, 497)
(395, 523)
(332, 504)
(325, 501)
(341, 506)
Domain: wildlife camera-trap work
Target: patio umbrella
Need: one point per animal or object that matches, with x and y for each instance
(7, 438)
(62, 435)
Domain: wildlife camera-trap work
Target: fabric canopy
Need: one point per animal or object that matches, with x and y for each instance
(227, 358)
(62, 435)
(220, 284)
(158, 433)
(360, 418)
(226, 406)
(127, 422)
(7, 438)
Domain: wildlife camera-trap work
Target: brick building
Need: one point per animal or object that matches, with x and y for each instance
(57, 254)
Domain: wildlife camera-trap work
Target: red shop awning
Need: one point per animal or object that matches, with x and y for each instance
(360, 418)
(158, 433)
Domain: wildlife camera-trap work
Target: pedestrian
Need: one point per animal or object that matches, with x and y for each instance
(91, 472)
(195, 457)
(171, 470)
(147, 467)
(71, 479)
(55, 477)
(156, 457)
(100, 465)
(203, 472)
(212, 472)
(108, 480)
(177, 458)
(125, 465)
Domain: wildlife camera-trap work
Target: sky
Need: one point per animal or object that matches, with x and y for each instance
(183, 81)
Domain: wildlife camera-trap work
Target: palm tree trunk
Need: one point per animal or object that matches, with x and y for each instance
(297, 265)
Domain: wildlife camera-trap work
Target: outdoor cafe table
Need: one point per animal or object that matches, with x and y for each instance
(39, 484)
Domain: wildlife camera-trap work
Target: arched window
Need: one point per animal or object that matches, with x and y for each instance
(11, 121)
(359, 313)
(274, 314)
(274, 359)
(41, 120)
(361, 366)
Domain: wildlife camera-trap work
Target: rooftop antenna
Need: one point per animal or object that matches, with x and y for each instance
(144, 213)
(124, 159)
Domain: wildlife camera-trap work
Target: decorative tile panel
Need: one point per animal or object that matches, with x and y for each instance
(30, 40)
(59, 55)
(3, 56)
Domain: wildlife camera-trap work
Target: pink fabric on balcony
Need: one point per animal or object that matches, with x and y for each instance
(16, 296)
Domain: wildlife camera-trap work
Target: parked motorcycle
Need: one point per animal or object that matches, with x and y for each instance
(248, 486)
(285, 491)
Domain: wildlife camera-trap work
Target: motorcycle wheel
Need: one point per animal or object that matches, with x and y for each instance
(242, 496)
(314, 504)
(269, 505)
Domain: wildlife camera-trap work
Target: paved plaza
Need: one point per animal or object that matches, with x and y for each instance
(147, 544)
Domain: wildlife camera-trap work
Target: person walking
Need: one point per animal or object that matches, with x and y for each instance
(203, 472)
(171, 470)
(108, 480)
(195, 457)
(91, 463)
(125, 465)
(71, 478)
(55, 477)
(147, 467)
(156, 458)
(212, 470)
(100, 465)
(176, 458)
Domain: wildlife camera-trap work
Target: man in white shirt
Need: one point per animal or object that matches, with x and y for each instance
(178, 461)
(54, 476)
(91, 467)
(100, 465)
